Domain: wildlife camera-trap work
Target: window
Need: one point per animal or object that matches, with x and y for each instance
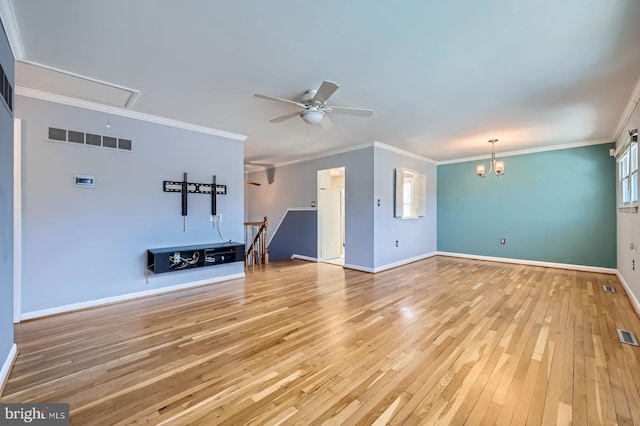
(628, 176)
(410, 194)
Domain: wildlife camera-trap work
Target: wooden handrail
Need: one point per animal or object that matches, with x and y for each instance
(257, 252)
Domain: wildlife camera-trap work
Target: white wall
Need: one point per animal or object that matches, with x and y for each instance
(628, 227)
(416, 237)
(6, 214)
(295, 186)
(83, 244)
(371, 231)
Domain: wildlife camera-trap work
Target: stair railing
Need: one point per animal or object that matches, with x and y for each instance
(255, 237)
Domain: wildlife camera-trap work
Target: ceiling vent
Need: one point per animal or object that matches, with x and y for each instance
(89, 139)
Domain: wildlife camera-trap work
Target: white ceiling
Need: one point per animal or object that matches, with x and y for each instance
(442, 76)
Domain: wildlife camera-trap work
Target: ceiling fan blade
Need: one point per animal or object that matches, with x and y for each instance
(285, 117)
(327, 88)
(273, 98)
(327, 124)
(361, 112)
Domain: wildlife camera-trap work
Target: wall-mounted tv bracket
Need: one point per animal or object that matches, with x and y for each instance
(185, 188)
(214, 202)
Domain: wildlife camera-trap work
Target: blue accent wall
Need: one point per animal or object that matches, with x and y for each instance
(555, 206)
(297, 234)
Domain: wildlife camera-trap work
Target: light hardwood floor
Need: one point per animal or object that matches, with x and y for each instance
(443, 340)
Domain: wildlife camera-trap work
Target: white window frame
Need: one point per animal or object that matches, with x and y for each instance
(411, 189)
(627, 182)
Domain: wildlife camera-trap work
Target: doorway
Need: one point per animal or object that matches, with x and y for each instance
(331, 215)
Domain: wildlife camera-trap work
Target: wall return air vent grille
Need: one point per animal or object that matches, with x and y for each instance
(6, 90)
(89, 139)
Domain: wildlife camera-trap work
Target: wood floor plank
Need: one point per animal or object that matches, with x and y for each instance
(440, 341)
(581, 328)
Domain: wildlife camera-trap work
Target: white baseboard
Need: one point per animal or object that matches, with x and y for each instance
(6, 367)
(390, 265)
(532, 262)
(632, 297)
(301, 257)
(404, 262)
(358, 268)
(124, 297)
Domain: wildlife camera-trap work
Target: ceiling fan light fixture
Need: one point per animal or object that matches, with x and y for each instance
(312, 116)
(313, 106)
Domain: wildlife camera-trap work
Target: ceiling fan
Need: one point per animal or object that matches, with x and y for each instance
(314, 108)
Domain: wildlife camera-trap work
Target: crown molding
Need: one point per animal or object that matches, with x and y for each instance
(527, 151)
(251, 168)
(403, 152)
(628, 111)
(10, 24)
(93, 106)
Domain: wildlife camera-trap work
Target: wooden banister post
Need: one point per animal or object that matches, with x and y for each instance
(265, 255)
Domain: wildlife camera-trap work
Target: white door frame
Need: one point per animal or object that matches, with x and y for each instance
(17, 219)
(330, 223)
(318, 207)
(319, 257)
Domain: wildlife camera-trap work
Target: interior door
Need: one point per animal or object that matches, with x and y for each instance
(330, 223)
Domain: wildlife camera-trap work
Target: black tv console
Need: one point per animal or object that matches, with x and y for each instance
(169, 259)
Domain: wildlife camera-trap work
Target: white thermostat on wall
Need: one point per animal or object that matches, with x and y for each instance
(84, 181)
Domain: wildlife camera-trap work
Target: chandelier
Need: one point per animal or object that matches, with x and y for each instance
(496, 166)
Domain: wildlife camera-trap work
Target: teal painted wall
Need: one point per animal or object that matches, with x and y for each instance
(554, 206)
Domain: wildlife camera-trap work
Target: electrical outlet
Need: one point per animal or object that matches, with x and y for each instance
(215, 218)
(502, 241)
(396, 243)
